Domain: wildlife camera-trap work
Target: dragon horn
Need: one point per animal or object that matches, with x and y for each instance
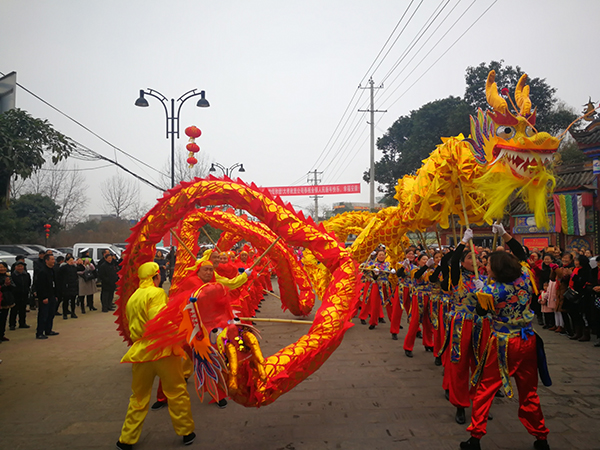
(522, 96)
(491, 94)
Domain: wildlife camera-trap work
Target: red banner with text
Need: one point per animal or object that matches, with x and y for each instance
(322, 189)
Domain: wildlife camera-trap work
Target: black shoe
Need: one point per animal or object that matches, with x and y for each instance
(429, 349)
(499, 393)
(73, 316)
(460, 416)
(4, 339)
(363, 322)
(408, 353)
(438, 360)
(122, 446)
(222, 403)
(12, 328)
(65, 317)
(52, 333)
(371, 327)
(82, 311)
(471, 444)
(381, 320)
(490, 417)
(394, 336)
(58, 314)
(447, 394)
(419, 335)
(158, 405)
(541, 444)
(41, 336)
(91, 308)
(187, 440)
(24, 326)
(401, 327)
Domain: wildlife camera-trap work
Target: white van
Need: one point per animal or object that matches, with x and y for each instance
(95, 250)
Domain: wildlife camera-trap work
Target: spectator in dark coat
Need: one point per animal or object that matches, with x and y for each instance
(69, 286)
(22, 281)
(7, 287)
(38, 266)
(107, 274)
(45, 287)
(162, 266)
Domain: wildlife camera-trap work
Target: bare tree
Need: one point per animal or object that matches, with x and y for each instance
(63, 183)
(183, 171)
(120, 195)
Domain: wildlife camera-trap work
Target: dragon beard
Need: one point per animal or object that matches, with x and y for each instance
(498, 184)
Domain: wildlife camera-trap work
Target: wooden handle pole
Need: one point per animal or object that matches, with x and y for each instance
(466, 217)
(211, 240)
(256, 319)
(266, 251)
(182, 244)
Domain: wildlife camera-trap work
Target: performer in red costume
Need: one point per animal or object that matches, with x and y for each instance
(512, 348)
(419, 310)
(466, 329)
(378, 291)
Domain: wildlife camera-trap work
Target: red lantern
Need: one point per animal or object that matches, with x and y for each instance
(192, 161)
(193, 132)
(193, 147)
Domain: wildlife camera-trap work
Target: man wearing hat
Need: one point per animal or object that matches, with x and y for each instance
(145, 303)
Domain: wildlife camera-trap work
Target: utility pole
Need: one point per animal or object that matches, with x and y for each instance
(315, 180)
(372, 110)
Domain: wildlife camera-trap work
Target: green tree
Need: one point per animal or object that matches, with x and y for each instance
(412, 138)
(25, 221)
(552, 116)
(23, 142)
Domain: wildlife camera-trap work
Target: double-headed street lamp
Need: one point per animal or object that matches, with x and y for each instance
(227, 171)
(173, 128)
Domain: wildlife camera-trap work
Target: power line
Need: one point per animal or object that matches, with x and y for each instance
(86, 128)
(348, 107)
(440, 57)
(75, 170)
(430, 21)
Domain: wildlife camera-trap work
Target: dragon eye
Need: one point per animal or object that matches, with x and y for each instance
(529, 132)
(505, 132)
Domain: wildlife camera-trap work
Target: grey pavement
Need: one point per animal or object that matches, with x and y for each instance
(70, 392)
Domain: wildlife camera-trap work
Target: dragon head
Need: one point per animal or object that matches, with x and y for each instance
(511, 152)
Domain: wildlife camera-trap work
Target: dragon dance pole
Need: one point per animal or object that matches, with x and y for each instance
(495, 242)
(182, 244)
(266, 251)
(464, 206)
(256, 319)
(271, 293)
(437, 235)
(423, 243)
(210, 239)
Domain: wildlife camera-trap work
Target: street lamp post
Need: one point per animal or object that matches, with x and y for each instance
(227, 171)
(173, 119)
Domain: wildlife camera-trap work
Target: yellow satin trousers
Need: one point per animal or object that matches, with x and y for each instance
(170, 371)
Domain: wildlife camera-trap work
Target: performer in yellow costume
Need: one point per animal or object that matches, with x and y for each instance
(145, 303)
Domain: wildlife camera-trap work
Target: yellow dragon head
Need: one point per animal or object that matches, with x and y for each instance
(511, 153)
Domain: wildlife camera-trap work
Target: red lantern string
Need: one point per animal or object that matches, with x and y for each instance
(192, 132)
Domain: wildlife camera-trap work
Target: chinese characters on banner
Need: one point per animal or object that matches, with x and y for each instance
(323, 189)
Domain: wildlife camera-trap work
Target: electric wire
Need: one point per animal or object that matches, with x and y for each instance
(348, 107)
(440, 57)
(87, 129)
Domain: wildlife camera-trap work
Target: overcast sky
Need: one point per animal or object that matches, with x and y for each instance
(279, 75)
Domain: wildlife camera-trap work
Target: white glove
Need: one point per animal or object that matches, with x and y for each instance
(393, 271)
(376, 271)
(468, 235)
(373, 253)
(430, 262)
(248, 272)
(478, 284)
(498, 228)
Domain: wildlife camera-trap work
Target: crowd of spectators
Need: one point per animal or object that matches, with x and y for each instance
(64, 281)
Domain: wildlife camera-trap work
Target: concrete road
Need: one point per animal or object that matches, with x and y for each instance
(70, 392)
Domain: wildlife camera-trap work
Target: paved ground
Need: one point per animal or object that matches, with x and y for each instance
(70, 392)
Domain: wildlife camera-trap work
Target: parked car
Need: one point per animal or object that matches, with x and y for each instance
(56, 252)
(95, 250)
(17, 249)
(65, 250)
(36, 247)
(121, 245)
